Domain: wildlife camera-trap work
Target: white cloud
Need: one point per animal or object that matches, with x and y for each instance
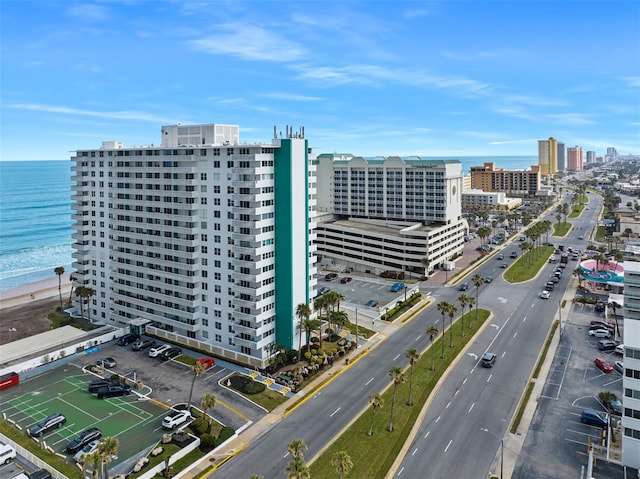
(572, 119)
(249, 42)
(111, 115)
(633, 82)
(291, 97)
(96, 13)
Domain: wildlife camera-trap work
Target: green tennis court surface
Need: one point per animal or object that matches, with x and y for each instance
(135, 422)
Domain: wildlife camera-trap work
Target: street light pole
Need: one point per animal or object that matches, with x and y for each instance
(356, 328)
(484, 429)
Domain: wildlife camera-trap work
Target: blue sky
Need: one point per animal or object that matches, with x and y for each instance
(450, 78)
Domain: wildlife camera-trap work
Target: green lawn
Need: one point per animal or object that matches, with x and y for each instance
(577, 211)
(528, 265)
(601, 234)
(561, 229)
(373, 456)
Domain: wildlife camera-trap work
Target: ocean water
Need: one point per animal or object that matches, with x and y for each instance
(35, 215)
(35, 221)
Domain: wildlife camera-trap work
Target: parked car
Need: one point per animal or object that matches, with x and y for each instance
(619, 366)
(606, 345)
(323, 290)
(114, 391)
(599, 308)
(372, 303)
(107, 363)
(330, 276)
(158, 350)
(594, 418)
(346, 279)
(615, 405)
(603, 365)
(7, 453)
(128, 339)
(601, 325)
(619, 349)
(395, 287)
(40, 474)
(82, 439)
(47, 424)
(88, 449)
(171, 353)
(142, 344)
(600, 333)
(488, 360)
(98, 384)
(175, 419)
(545, 294)
(207, 362)
(488, 279)
(463, 287)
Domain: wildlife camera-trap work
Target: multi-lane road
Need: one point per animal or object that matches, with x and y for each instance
(451, 441)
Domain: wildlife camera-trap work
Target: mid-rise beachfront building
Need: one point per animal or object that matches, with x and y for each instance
(631, 360)
(204, 240)
(575, 158)
(548, 156)
(562, 161)
(475, 200)
(513, 182)
(381, 214)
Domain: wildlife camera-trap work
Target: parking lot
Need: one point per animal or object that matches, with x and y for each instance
(363, 289)
(557, 442)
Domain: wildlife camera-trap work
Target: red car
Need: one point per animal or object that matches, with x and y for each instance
(346, 279)
(208, 362)
(596, 322)
(603, 365)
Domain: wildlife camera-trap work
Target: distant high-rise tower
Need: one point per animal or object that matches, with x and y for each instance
(562, 163)
(548, 156)
(575, 158)
(591, 157)
(612, 153)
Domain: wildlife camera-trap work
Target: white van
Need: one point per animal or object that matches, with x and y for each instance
(7, 453)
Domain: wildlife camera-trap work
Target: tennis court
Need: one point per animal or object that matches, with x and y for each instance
(135, 422)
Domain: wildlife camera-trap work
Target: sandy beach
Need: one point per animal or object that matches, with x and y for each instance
(28, 293)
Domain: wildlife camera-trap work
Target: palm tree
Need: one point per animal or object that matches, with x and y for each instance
(72, 278)
(108, 447)
(80, 295)
(87, 294)
(412, 355)
(319, 304)
(309, 326)
(295, 448)
(342, 462)
(425, 262)
(443, 307)
(298, 470)
(59, 271)
(478, 280)
(94, 461)
(453, 309)
(303, 312)
(197, 369)
(613, 305)
(462, 299)
(432, 331)
(339, 319)
(398, 377)
(207, 401)
(376, 400)
(470, 302)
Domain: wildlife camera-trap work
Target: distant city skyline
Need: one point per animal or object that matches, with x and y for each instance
(486, 78)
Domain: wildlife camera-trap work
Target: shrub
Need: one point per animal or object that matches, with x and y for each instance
(254, 387)
(200, 426)
(307, 355)
(292, 355)
(225, 434)
(157, 451)
(314, 340)
(207, 441)
(314, 352)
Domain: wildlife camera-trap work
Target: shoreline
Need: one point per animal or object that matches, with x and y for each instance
(43, 289)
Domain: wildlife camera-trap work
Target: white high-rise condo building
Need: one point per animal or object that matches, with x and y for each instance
(388, 214)
(203, 239)
(631, 361)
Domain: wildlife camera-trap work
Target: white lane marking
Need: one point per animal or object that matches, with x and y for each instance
(465, 380)
(471, 407)
(331, 415)
(515, 334)
(285, 455)
(400, 471)
(437, 419)
(419, 336)
(447, 448)
(448, 404)
(396, 357)
(533, 305)
(524, 319)
(414, 451)
(427, 434)
(456, 393)
(368, 382)
(503, 354)
(489, 378)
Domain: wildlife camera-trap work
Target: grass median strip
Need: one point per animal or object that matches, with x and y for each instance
(373, 456)
(528, 265)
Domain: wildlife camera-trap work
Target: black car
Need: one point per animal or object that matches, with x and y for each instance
(143, 344)
(40, 474)
(114, 391)
(47, 424)
(171, 353)
(599, 308)
(488, 360)
(128, 339)
(82, 439)
(98, 384)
